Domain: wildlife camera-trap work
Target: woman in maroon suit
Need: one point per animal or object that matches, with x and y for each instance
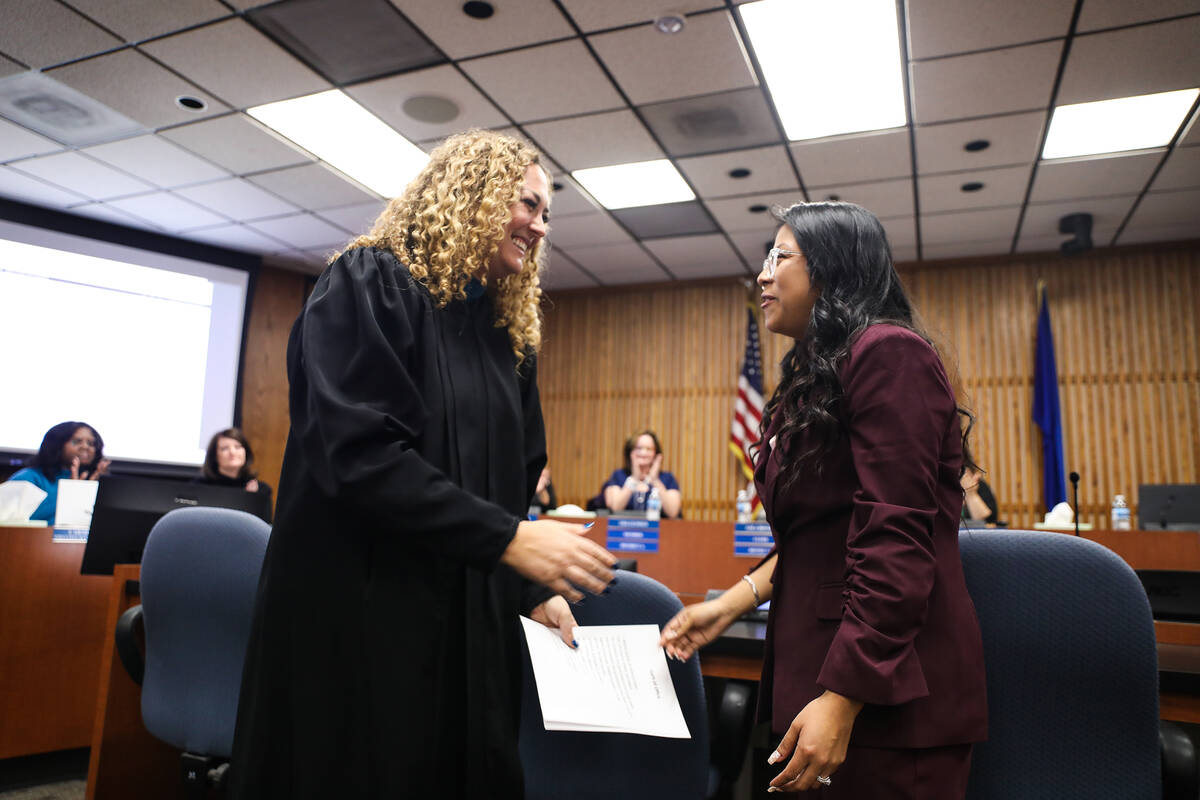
(873, 660)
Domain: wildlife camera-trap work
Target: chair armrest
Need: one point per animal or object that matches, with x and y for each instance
(1179, 764)
(129, 649)
(731, 729)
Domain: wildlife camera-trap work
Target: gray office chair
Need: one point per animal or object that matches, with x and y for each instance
(604, 766)
(1072, 675)
(198, 582)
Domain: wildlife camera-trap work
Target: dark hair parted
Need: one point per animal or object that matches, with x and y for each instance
(49, 458)
(851, 271)
(210, 468)
(631, 443)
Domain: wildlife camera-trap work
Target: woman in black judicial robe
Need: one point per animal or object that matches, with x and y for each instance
(384, 660)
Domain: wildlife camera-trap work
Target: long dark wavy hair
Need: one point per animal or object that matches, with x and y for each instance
(850, 266)
(48, 459)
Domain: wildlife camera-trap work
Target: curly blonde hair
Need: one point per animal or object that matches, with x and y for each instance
(450, 221)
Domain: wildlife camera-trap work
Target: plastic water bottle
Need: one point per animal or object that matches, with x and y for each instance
(1121, 520)
(653, 504)
(743, 506)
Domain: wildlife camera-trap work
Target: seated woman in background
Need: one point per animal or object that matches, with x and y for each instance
(70, 450)
(229, 461)
(979, 502)
(628, 489)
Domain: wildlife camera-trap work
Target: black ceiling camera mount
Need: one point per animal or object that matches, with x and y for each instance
(1080, 226)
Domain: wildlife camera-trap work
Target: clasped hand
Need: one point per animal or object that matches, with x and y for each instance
(95, 474)
(558, 555)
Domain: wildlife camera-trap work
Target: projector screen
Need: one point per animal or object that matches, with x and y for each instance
(142, 345)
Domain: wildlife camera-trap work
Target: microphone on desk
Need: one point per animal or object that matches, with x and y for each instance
(1074, 476)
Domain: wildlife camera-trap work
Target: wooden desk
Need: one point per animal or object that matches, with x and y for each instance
(51, 637)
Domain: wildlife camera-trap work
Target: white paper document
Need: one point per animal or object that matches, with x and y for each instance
(616, 681)
(75, 502)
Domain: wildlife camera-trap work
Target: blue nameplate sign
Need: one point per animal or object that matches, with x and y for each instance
(752, 539)
(79, 535)
(633, 535)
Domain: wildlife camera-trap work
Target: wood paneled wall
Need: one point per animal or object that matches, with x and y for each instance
(278, 298)
(1127, 345)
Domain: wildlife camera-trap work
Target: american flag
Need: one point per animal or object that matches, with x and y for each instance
(748, 410)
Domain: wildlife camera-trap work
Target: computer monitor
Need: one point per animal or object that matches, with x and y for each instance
(127, 508)
(1169, 506)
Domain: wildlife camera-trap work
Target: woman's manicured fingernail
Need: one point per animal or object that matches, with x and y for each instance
(774, 757)
(613, 582)
(589, 525)
(574, 643)
(772, 789)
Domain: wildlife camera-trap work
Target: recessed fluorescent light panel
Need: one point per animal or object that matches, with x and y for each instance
(831, 67)
(644, 183)
(1111, 126)
(346, 136)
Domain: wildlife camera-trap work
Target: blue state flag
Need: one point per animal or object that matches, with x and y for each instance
(1046, 412)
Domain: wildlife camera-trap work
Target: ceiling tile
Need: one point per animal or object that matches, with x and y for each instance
(1168, 208)
(994, 247)
(942, 27)
(1102, 66)
(82, 174)
(563, 274)
(617, 263)
(697, 256)
(753, 245)
(107, 213)
(582, 230)
(1041, 220)
(995, 82)
(592, 16)
(705, 57)
(18, 186)
(129, 82)
(1182, 170)
(347, 40)
(1191, 132)
(892, 198)
(569, 81)
(1094, 177)
(1098, 14)
(724, 121)
(1003, 186)
(303, 231)
(386, 98)
(515, 23)
(357, 218)
(41, 34)
(168, 211)
(596, 140)
(1013, 139)
(220, 57)
(17, 141)
(1145, 234)
(142, 19)
(770, 170)
(313, 186)
(237, 237)
(668, 219)
(237, 199)
(156, 161)
(569, 199)
(857, 158)
(9, 67)
(734, 214)
(237, 143)
(901, 233)
(991, 224)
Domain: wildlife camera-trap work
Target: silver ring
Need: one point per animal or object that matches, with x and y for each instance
(824, 780)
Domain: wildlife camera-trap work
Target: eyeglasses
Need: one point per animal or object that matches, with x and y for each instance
(772, 259)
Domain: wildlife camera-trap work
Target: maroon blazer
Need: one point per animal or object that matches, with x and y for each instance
(869, 597)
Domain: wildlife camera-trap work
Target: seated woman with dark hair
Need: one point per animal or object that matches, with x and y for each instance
(628, 489)
(72, 450)
(229, 461)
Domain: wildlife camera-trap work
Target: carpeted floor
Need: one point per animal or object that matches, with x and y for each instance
(62, 790)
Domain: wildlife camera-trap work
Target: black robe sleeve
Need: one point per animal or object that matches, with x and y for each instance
(358, 411)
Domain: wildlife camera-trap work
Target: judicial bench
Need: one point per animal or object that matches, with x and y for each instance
(62, 685)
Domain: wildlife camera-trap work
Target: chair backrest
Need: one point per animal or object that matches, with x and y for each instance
(199, 579)
(580, 766)
(1072, 671)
